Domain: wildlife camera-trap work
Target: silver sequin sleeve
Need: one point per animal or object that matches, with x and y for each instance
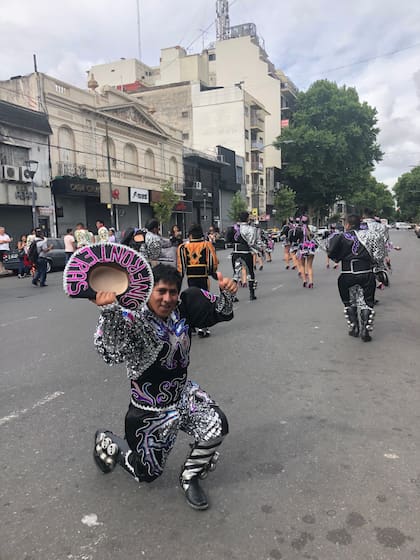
(224, 304)
(114, 333)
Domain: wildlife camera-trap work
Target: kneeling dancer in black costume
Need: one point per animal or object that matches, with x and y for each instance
(155, 345)
(360, 252)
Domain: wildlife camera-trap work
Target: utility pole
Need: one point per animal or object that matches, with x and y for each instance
(111, 206)
(138, 29)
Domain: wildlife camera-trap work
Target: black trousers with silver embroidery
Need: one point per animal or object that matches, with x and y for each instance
(151, 435)
(365, 281)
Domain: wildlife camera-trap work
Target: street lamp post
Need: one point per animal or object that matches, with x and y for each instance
(31, 169)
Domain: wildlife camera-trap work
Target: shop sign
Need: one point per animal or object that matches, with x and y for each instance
(45, 210)
(183, 207)
(139, 195)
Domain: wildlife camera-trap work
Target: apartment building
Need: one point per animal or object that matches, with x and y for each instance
(25, 194)
(211, 116)
(109, 156)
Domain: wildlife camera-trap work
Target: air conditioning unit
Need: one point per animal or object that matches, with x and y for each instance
(221, 157)
(10, 173)
(25, 175)
(197, 185)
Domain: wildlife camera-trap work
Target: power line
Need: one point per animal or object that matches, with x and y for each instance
(364, 61)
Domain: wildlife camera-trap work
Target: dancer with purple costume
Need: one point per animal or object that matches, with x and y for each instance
(154, 342)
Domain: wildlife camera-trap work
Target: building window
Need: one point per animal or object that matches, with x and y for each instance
(185, 136)
(131, 160)
(66, 145)
(173, 169)
(247, 179)
(261, 181)
(212, 57)
(246, 110)
(149, 161)
(247, 134)
(247, 156)
(184, 114)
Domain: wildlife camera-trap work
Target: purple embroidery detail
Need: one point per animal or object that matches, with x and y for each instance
(209, 296)
(174, 333)
(154, 440)
(356, 244)
(236, 232)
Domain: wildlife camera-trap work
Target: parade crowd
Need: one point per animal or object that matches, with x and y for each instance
(154, 340)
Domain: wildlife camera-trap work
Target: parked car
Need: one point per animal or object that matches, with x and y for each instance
(417, 230)
(56, 258)
(402, 225)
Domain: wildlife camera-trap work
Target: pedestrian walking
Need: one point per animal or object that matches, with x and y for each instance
(24, 264)
(42, 249)
(5, 241)
(69, 244)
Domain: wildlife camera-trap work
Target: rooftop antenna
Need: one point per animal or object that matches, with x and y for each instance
(222, 20)
(138, 29)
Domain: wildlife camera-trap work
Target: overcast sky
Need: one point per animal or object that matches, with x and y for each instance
(308, 39)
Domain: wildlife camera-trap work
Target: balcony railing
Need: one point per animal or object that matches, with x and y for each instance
(257, 145)
(257, 166)
(257, 122)
(71, 169)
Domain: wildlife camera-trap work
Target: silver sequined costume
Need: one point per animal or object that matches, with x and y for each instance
(163, 400)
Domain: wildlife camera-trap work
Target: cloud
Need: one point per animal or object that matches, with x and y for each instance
(308, 40)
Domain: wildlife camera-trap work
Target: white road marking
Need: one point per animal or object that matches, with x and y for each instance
(391, 456)
(277, 287)
(18, 321)
(18, 413)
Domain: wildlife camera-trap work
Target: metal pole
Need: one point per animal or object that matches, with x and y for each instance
(138, 29)
(34, 220)
(109, 176)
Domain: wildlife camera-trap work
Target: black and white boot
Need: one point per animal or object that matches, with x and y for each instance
(366, 323)
(200, 462)
(105, 452)
(252, 287)
(352, 320)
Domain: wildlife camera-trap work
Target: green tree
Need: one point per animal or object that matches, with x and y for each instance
(284, 203)
(237, 206)
(407, 193)
(164, 208)
(376, 196)
(330, 146)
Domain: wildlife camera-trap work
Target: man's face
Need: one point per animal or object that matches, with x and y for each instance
(2, 230)
(164, 299)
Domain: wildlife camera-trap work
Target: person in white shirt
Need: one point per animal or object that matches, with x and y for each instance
(69, 244)
(5, 241)
(103, 233)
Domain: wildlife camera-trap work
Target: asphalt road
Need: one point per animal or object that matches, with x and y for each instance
(322, 461)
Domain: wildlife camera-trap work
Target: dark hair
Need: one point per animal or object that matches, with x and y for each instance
(152, 224)
(168, 274)
(368, 213)
(69, 230)
(99, 222)
(80, 224)
(196, 231)
(243, 216)
(354, 221)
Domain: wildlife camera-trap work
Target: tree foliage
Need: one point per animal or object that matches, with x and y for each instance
(237, 206)
(330, 146)
(407, 193)
(284, 203)
(164, 208)
(376, 196)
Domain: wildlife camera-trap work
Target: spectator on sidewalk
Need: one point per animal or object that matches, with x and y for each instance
(69, 244)
(5, 241)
